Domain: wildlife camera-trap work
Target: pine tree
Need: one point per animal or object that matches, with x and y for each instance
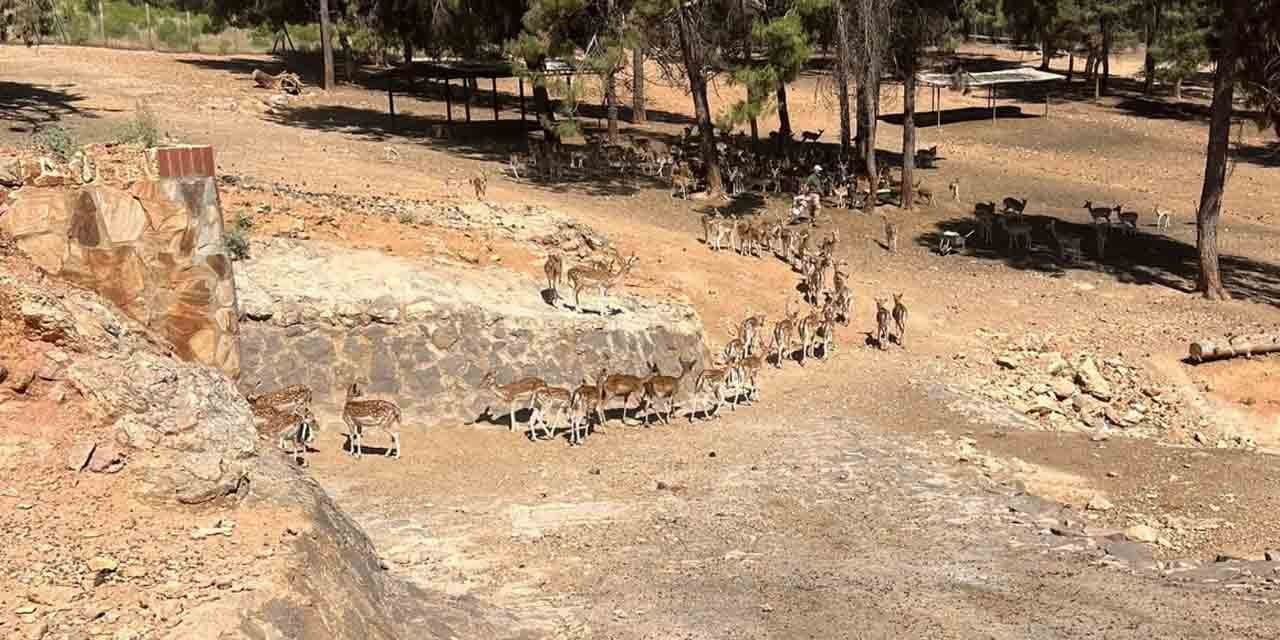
(1181, 49)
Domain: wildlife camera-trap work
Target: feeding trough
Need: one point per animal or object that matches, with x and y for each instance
(952, 242)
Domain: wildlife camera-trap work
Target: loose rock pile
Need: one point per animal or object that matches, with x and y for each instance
(1082, 391)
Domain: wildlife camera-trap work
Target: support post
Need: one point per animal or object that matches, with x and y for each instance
(494, 80)
(391, 100)
(991, 96)
(1046, 103)
(521, 99)
(937, 105)
(102, 24)
(466, 106)
(448, 99)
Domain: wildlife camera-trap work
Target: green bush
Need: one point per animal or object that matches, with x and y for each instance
(236, 239)
(143, 128)
(58, 141)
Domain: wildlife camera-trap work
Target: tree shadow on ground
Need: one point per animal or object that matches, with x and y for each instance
(929, 118)
(1264, 155)
(482, 100)
(27, 107)
(1146, 258)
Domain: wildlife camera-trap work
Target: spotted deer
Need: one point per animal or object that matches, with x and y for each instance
(719, 384)
(1100, 215)
(521, 392)
(1015, 207)
(553, 402)
(782, 332)
(363, 415)
(890, 236)
(1019, 233)
(293, 430)
(924, 193)
(554, 269)
(601, 279)
(900, 319)
(658, 386)
(584, 403)
(954, 188)
(1068, 244)
(1162, 217)
(752, 326)
(809, 329)
(480, 182)
(290, 399)
(883, 318)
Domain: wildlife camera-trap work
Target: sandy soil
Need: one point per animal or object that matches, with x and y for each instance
(845, 480)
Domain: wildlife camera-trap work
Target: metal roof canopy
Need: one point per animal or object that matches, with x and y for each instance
(989, 79)
(446, 70)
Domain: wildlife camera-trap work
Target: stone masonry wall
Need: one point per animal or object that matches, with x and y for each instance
(324, 316)
(155, 251)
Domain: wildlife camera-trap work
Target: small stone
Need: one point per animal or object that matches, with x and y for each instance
(78, 455)
(103, 564)
(38, 630)
(24, 610)
(1112, 474)
(1054, 363)
(1063, 388)
(1092, 381)
(1099, 503)
(1272, 555)
(1199, 437)
(1007, 361)
(1039, 388)
(1141, 533)
(766, 608)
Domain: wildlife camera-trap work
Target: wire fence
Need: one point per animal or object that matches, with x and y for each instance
(122, 25)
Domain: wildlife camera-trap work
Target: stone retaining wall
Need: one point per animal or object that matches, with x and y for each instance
(324, 316)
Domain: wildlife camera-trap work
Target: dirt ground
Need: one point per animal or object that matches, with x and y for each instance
(849, 498)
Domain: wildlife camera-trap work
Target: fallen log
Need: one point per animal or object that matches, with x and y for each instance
(1233, 346)
(287, 82)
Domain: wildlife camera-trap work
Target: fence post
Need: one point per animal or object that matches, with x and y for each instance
(102, 24)
(190, 43)
(151, 43)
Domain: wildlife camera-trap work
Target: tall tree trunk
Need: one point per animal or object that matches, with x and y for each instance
(1089, 65)
(1149, 60)
(751, 94)
(611, 102)
(1046, 54)
(1106, 53)
(638, 114)
(326, 46)
(1071, 65)
(1215, 164)
(860, 120)
(871, 99)
(348, 59)
(784, 117)
(1177, 89)
(698, 87)
(408, 62)
(908, 133)
(842, 75)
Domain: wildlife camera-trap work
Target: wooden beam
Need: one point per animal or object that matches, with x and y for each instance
(494, 80)
(466, 86)
(391, 100)
(448, 99)
(521, 99)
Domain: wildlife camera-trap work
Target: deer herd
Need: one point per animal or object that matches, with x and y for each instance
(731, 378)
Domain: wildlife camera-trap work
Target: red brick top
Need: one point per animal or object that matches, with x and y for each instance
(185, 162)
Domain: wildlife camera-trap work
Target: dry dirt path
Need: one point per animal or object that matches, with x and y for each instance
(797, 518)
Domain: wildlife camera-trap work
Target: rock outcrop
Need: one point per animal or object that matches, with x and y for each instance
(325, 316)
(118, 554)
(155, 251)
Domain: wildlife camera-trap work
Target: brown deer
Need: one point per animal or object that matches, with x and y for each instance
(665, 387)
(900, 318)
(293, 430)
(513, 393)
(360, 415)
(717, 382)
(621, 385)
(546, 400)
(782, 335)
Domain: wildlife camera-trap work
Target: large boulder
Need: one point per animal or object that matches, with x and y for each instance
(155, 251)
